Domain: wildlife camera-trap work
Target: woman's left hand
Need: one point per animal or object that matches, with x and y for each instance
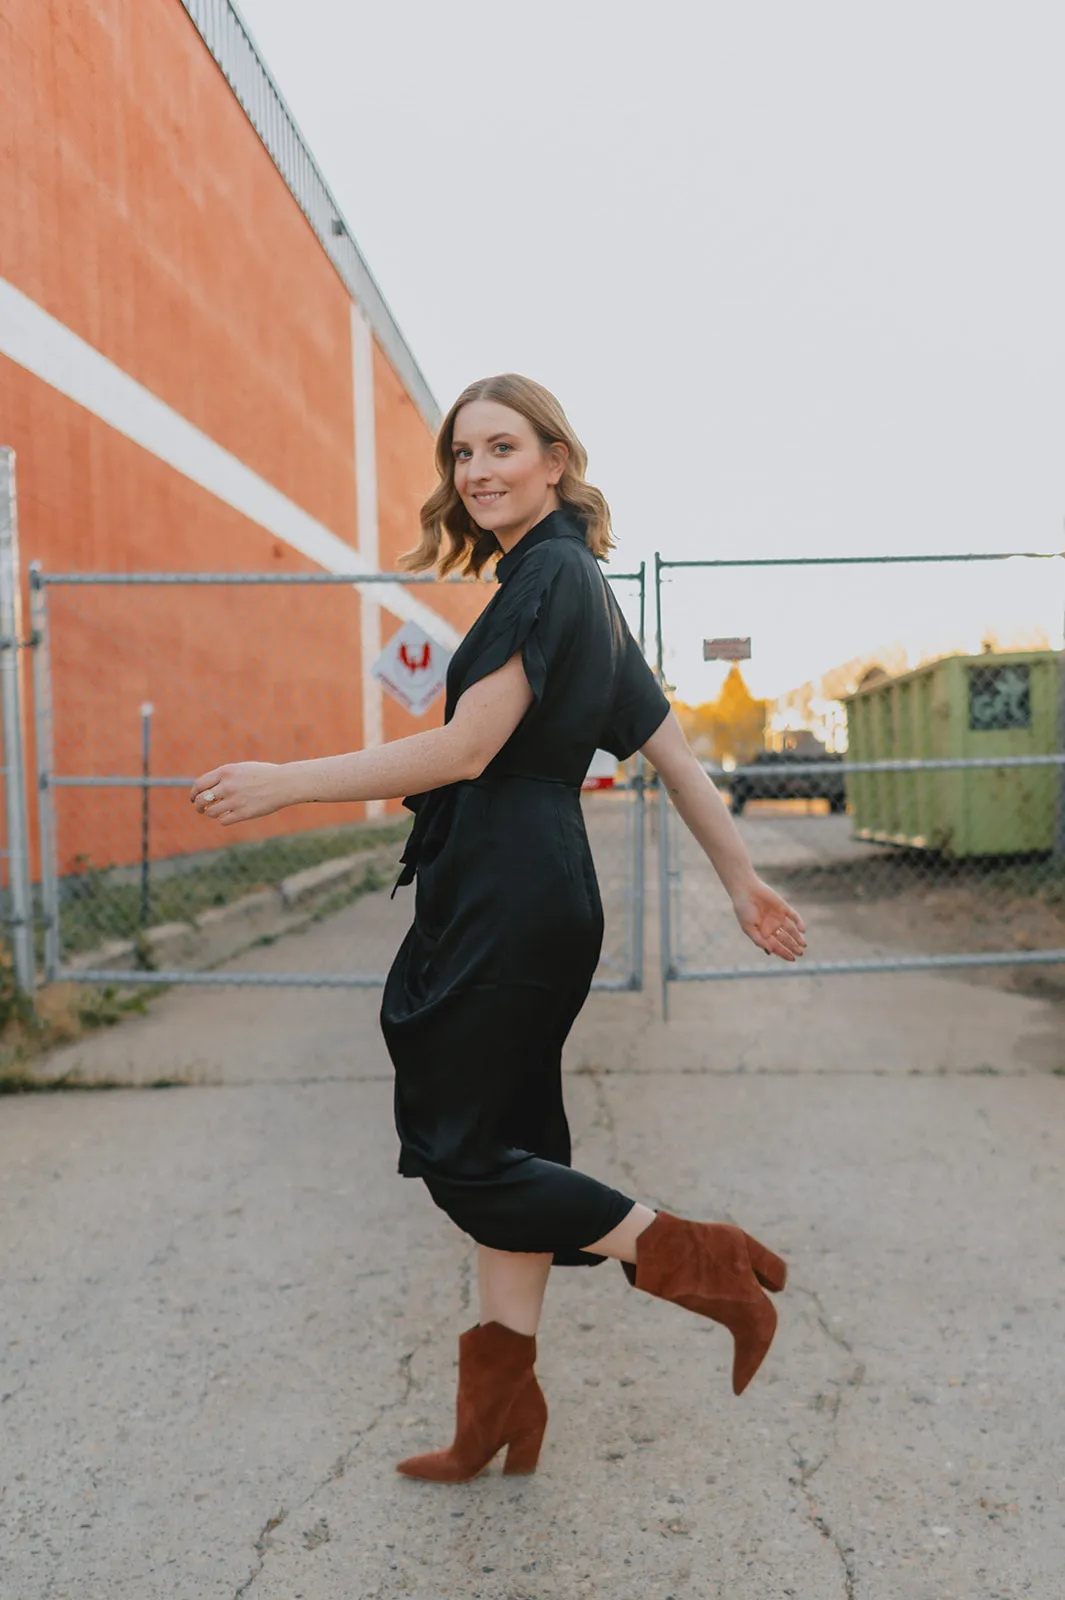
(242, 790)
(769, 921)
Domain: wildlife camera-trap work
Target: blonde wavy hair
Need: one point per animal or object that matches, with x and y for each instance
(450, 537)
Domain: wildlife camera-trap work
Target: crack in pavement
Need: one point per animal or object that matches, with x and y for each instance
(605, 1120)
(822, 1319)
(262, 1541)
(808, 1469)
(850, 1577)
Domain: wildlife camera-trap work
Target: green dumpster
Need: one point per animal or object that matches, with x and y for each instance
(959, 708)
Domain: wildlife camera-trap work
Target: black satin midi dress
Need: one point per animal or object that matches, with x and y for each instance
(508, 922)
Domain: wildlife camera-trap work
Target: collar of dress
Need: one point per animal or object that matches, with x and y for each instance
(556, 525)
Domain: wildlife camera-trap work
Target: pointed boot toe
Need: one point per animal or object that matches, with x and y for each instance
(717, 1271)
(499, 1404)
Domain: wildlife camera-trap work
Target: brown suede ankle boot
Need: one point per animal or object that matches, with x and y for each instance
(718, 1271)
(499, 1403)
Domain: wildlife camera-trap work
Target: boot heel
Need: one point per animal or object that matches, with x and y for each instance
(771, 1272)
(523, 1451)
(499, 1403)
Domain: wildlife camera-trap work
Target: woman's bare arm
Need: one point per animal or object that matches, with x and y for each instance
(766, 918)
(485, 717)
(699, 804)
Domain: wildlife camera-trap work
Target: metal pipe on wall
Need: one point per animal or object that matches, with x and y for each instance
(11, 711)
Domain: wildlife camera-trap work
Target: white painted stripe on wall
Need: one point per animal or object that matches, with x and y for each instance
(373, 714)
(52, 352)
(365, 433)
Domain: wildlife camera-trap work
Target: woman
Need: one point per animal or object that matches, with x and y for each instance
(508, 923)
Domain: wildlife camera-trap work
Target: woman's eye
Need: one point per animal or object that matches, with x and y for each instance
(502, 446)
(460, 455)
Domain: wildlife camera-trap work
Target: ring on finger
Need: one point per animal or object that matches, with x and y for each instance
(209, 796)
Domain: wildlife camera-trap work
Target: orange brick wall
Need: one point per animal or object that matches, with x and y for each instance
(405, 475)
(142, 211)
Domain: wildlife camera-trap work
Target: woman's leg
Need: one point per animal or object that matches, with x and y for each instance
(511, 1285)
(620, 1242)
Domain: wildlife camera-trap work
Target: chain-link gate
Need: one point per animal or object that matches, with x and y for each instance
(617, 827)
(904, 787)
(143, 680)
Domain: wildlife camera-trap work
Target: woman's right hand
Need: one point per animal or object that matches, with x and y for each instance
(243, 790)
(768, 920)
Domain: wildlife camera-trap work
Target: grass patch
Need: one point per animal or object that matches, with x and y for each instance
(100, 903)
(13, 1081)
(63, 1012)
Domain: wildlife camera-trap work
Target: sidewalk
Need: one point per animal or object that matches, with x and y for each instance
(228, 1317)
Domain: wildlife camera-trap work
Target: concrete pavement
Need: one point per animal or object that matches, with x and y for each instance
(227, 1317)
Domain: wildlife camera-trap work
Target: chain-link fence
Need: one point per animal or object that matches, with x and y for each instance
(893, 747)
(143, 681)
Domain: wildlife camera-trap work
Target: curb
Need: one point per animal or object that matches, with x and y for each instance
(223, 931)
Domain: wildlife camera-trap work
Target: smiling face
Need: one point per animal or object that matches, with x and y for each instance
(504, 476)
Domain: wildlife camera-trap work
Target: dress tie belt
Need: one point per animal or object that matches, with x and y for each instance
(432, 823)
(434, 810)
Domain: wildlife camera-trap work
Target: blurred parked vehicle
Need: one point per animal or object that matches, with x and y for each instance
(784, 775)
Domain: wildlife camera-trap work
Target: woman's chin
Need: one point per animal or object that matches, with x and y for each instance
(490, 521)
(487, 516)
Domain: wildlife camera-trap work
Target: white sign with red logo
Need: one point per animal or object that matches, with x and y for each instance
(412, 667)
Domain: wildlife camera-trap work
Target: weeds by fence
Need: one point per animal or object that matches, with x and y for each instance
(103, 902)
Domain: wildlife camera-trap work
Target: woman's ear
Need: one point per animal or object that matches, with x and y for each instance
(558, 455)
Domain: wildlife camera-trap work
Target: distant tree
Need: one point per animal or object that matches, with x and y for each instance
(730, 728)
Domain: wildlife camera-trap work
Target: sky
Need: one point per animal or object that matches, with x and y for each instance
(796, 273)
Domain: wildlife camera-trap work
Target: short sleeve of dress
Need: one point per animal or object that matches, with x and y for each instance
(639, 707)
(535, 613)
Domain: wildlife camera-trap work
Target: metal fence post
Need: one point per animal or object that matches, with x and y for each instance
(642, 641)
(146, 793)
(11, 710)
(665, 956)
(42, 727)
(1059, 820)
(665, 939)
(639, 820)
(638, 823)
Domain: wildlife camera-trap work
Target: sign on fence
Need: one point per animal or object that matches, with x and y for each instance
(412, 667)
(726, 649)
